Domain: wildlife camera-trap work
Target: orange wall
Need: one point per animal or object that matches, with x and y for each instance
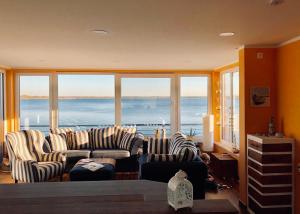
(254, 72)
(288, 80)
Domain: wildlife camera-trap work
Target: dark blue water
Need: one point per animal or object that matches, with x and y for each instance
(146, 113)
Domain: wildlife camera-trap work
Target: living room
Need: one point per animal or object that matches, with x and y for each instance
(122, 95)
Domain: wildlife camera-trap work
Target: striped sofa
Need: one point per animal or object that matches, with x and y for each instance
(162, 158)
(120, 143)
(28, 160)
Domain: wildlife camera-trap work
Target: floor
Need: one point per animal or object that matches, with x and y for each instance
(231, 193)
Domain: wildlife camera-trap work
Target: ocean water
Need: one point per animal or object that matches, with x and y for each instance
(146, 114)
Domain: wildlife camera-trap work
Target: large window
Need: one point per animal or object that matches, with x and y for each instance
(193, 103)
(34, 102)
(230, 108)
(86, 101)
(146, 103)
(2, 149)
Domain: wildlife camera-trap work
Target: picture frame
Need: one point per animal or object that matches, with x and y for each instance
(260, 96)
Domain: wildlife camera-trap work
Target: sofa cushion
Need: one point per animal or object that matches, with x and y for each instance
(58, 142)
(110, 153)
(78, 140)
(103, 138)
(127, 141)
(120, 131)
(77, 153)
(158, 145)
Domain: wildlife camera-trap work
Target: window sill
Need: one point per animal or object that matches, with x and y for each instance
(227, 149)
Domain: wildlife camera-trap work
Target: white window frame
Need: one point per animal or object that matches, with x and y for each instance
(17, 97)
(174, 92)
(209, 97)
(231, 71)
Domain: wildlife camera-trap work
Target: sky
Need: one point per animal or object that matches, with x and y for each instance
(103, 85)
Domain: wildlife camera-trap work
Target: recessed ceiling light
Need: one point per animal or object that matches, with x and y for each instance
(102, 32)
(226, 34)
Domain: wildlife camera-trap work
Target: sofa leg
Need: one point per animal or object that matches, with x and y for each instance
(16, 181)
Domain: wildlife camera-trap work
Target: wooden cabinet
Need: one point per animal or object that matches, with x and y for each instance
(224, 166)
(270, 174)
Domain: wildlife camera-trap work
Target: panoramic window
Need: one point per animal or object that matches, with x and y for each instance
(86, 101)
(34, 103)
(146, 103)
(193, 103)
(230, 108)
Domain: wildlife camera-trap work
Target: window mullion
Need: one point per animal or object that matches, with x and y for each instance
(118, 113)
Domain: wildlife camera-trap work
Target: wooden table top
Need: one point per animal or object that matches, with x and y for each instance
(136, 196)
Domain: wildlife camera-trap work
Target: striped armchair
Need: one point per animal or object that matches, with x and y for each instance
(28, 161)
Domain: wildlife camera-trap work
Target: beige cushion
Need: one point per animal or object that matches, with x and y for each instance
(110, 153)
(77, 153)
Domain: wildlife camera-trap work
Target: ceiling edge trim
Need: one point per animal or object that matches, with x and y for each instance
(295, 39)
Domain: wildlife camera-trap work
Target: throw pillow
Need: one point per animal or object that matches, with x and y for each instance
(127, 141)
(103, 138)
(79, 140)
(158, 146)
(58, 142)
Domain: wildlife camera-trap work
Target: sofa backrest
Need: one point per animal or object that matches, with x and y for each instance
(103, 138)
(26, 144)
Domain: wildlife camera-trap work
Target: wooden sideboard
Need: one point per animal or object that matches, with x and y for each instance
(270, 174)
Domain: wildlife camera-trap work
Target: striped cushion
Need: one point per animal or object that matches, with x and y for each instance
(158, 146)
(103, 138)
(48, 170)
(161, 158)
(186, 151)
(176, 140)
(61, 130)
(79, 140)
(127, 141)
(119, 133)
(58, 142)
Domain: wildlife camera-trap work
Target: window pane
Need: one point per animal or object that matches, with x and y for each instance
(226, 107)
(34, 102)
(236, 108)
(193, 103)
(146, 103)
(86, 101)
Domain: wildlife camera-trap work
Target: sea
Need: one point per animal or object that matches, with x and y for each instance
(146, 113)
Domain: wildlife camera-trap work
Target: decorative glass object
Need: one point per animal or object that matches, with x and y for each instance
(180, 191)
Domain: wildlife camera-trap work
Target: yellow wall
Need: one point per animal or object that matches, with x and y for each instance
(288, 100)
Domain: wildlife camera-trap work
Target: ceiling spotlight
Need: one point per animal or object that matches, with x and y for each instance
(101, 32)
(275, 2)
(226, 34)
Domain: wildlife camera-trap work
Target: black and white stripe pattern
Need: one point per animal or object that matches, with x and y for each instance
(103, 138)
(61, 130)
(127, 141)
(119, 133)
(79, 140)
(25, 150)
(158, 145)
(176, 140)
(161, 158)
(186, 151)
(58, 142)
(48, 170)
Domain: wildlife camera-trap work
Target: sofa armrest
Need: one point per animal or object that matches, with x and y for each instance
(145, 147)
(53, 156)
(161, 158)
(24, 170)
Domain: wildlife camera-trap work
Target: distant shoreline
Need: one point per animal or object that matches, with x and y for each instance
(26, 97)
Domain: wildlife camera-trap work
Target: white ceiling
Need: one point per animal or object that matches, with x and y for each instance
(144, 34)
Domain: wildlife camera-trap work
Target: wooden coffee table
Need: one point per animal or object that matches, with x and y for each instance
(98, 197)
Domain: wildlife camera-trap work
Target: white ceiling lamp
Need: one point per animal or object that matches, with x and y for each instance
(226, 34)
(100, 31)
